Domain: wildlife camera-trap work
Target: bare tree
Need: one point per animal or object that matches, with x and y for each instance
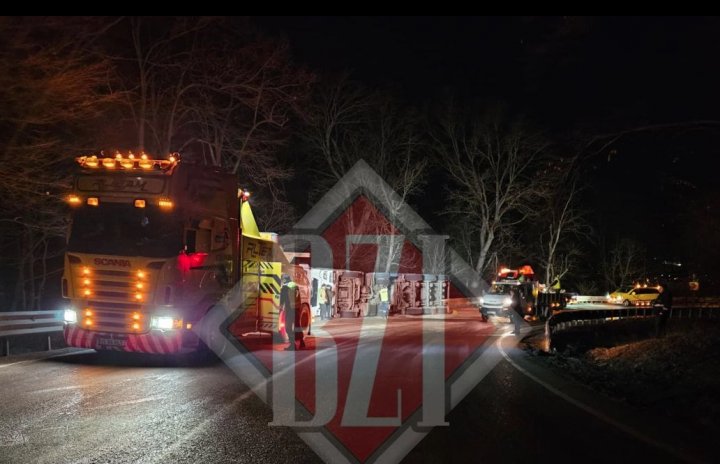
(347, 124)
(496, 173)
(562, 224)
(623, 263)
(219, 94)
(51, 88)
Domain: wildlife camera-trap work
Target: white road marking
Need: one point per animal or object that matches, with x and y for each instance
(27, 361)
(597, 414)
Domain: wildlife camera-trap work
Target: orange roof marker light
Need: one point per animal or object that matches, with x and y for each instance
(129, 162)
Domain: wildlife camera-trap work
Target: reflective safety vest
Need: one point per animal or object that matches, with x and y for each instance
(291, 295)
(384, 295)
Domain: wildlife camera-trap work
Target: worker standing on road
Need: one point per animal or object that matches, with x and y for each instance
(384, 307)
(515, 308)
(323, 302)
(665, 302)
(290, 303)
(329, 296)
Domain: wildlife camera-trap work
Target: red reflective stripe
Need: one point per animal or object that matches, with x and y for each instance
(140, 344)
(162, 344)
(146, 347)
(131, 343)
(150, 340)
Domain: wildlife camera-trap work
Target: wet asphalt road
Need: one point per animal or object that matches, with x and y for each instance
(92, 407)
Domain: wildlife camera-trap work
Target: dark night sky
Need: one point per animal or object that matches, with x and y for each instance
(565, 70)
(568, 75)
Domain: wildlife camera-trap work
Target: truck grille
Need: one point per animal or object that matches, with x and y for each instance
(113, 300)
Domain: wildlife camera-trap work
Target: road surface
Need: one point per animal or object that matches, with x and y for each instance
(83, 406)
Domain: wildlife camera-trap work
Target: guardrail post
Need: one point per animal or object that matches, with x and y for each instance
(7, 346)
(49, 343)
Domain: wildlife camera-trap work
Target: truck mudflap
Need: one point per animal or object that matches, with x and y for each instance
(153, 343)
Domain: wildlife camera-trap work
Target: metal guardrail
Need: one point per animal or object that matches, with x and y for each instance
(586, 299)
(29, 322)
(566, 319)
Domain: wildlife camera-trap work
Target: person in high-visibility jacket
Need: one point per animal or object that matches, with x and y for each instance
(290, 303)
(384, 307)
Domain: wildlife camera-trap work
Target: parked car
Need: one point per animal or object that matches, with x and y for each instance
(634, 296)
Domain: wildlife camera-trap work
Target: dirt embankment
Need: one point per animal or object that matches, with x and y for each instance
(678, 375)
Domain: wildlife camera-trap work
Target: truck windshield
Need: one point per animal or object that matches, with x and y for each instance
(499, 290)
(123, 230)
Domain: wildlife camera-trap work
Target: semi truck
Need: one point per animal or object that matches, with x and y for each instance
(153, 244)
(518, 290)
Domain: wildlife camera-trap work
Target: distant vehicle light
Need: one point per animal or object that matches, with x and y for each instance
(507, 301)
(165, 203)
(141, 274)
(108, 163)
(481, 300)
(139, 203)
(74, 200)
(93, 201)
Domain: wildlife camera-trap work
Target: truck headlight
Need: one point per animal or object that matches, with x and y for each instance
(165, 323)
(70, 316)
(507, 301)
